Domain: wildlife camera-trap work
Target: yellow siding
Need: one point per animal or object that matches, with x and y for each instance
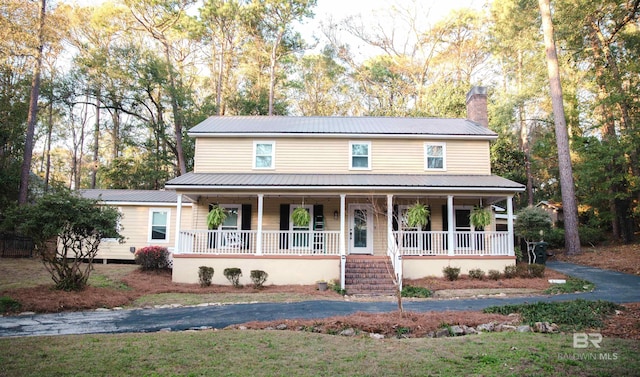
(326, 155)
(135, 229)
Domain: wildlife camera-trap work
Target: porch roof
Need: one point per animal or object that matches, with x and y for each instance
(339, 126)
(377, 182)
(131, 196)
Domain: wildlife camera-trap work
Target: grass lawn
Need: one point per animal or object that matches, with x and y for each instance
(285, 353)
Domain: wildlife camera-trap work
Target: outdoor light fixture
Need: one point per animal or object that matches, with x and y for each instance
(335, 215)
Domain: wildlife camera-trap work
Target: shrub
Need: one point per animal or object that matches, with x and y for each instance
(451, 273)
(258, 277)
(522, 270)
(152, 258)
(555, 238)
(411, 291)
(205, 274)
(7, 304)
(590, 236)
(532, 224)
(476, 274)
(335, 285)
(510, 271)
(569, 315)
(494, 274)
(233, 275)
(536, 270)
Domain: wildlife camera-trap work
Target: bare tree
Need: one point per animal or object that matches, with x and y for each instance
(572, 239)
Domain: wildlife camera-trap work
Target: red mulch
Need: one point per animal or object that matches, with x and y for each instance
(622, 258)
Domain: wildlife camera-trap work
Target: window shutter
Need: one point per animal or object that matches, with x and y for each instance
(426, 237)
(246, 224)
(284, 226)
(212, 236)
(318, 216)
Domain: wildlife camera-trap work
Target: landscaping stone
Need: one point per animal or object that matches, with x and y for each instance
(524, 328)
(503, 327)
(457, 330)
(242, 327)
(376, 336)
(348, 332)
(469, 330)
(282, 326)
(489, 327)
(442, 333)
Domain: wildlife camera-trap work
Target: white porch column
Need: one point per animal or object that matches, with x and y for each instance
(343, 248)
(451, 230)
(510, 224)
(343, 223)
(390, 240)
(259, 235)
(178, 221)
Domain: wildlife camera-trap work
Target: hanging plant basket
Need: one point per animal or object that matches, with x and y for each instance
(418, 215)
(480, 217)
(300, 216)
(216, 217)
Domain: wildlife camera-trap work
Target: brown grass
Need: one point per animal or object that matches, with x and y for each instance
(622, 258)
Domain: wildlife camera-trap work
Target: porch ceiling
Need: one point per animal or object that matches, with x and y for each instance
(268, 182)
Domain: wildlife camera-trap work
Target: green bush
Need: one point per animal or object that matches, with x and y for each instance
(590, 236)
(476, 274)
(494, 274)
(532, 224)
(205, 274)
(536, 270)
(569, 315)
(411, 291)
(451, 273)
(9, 305)
(522, 270)
(233, 274)
(555, 238)
(152, 258)
(510, 271)
(572, 285)
(258, 277)
(335, 285)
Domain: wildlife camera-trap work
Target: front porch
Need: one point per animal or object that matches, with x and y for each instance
(259, 234)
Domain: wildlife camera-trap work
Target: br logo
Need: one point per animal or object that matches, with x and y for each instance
(582, 340)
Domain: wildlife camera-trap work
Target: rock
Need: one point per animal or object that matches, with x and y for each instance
(376, 336)
(524, 328)
(118, 308)
(269, 328)
(430, 334)
(242, 327)
(469, 330)
(545, 327)
(442, 333)
(282, 326)
(348, 332)
(457, 330)
(166, 329)
(503, 327)
(489, 327)
(102, 310)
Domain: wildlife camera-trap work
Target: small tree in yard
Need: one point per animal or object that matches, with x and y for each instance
(532, 223)
(79, 225)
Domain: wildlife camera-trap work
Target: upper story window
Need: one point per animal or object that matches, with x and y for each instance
(263, 154)
(360, 155)
(159, 225)
(434, 156)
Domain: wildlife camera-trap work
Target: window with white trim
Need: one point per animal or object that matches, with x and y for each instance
(434, 156)
(159, 225)
(360, 155)
(264, 154)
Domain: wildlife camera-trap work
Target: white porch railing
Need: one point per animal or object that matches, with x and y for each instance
(465, 243)
(243, 242)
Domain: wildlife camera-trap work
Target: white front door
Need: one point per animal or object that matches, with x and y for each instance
(360, 229)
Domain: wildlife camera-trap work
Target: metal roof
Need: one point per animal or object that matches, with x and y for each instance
(321, 126)
(243, 181)
(133, 196)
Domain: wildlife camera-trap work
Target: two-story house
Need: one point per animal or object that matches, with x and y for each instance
(357, 176)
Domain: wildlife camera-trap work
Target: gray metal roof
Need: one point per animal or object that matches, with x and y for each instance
(133, 196)
(239, 125)
(353, 181)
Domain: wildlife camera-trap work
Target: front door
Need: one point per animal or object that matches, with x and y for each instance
(360, 229)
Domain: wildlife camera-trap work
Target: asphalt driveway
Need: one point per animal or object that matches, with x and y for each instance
(610, 286)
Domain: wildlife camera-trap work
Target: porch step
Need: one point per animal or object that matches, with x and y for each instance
(369, 275)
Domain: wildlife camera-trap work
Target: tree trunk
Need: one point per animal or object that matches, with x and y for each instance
(48, 149)
(33, 112)
(96, 143)
(572, 239)
(177, 119)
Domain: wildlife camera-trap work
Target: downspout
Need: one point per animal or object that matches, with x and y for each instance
(343, 253)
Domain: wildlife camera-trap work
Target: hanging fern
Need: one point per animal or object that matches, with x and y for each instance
(480, 217)
(216, 217)
(300, 216)
(418, 215)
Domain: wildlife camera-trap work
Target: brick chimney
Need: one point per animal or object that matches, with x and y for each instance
(477, 105)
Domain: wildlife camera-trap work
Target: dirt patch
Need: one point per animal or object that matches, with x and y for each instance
(409, 324)
(622, 258)
(625, 324)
